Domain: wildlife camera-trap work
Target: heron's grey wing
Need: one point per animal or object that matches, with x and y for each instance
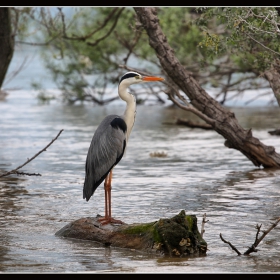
(106, 150)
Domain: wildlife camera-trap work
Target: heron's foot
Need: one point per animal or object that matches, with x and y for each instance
(109, 220)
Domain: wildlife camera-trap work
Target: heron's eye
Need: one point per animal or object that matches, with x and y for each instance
(137, 77)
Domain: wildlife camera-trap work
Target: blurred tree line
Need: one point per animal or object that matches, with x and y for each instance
(86, 49)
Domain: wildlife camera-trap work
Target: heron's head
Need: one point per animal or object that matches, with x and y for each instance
(131, 78)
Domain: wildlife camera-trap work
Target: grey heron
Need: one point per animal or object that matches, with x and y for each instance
(109, 143)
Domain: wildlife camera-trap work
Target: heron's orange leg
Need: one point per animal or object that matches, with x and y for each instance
(106, 197)
(108, 212)
(109, 192)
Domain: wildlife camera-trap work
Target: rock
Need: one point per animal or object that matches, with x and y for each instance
(174, 237)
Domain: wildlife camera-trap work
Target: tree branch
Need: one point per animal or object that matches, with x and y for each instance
(190, 108)
(83, 38)
(15, 171)
(252, 248)
(258, 240)
(231, 246)
(109, 32)
(203, 224)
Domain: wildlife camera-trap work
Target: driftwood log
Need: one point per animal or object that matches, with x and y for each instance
(174, 237)
(192, 124)
(274, 132)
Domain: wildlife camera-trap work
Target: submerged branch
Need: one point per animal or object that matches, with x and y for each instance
(253, 248)
(15, 171)
(231, 246)
(258, 240)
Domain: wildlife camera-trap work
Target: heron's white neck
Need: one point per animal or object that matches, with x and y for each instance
(130, 111)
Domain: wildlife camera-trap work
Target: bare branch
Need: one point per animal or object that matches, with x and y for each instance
(258, 240)
(98, 101)
(14, 171)
(129, 45)
(109, 32)
(105, 22)
(232, 247)
(49, 25)
(63, 21)
(256, 97)
(191, 109)
(252, 248)
(202, 225)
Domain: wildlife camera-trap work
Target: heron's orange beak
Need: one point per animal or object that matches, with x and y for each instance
(152, 79)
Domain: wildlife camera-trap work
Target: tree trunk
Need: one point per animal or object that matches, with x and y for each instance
(273, 77)
(178, 236)
(222, 120)
(6, 43)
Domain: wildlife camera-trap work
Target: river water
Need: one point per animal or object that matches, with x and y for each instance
(199, 174)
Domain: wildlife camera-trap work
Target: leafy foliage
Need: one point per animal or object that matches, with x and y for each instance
(251, 35)
(87, 48)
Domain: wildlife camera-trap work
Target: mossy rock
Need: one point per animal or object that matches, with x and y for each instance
(177, 236)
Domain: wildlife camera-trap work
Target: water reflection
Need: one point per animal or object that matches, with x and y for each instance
(10, 193)
(198, 175)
